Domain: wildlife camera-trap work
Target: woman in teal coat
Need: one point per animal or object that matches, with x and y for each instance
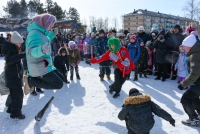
(42, 73)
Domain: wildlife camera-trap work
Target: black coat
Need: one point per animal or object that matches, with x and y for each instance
(144, 36)
(163, 51)
(138, 113)
(143, 60)
(2, 40)
(13, 67)
(62, 63)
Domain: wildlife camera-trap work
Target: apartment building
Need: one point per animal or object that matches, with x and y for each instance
(148, 19)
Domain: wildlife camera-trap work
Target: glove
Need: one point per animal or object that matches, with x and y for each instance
(114, 57)
(172, 122)
(88, 62)
(73, 64)
(46, 49)
(180, 87)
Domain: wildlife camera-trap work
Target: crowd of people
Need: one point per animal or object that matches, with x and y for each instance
(48, 56)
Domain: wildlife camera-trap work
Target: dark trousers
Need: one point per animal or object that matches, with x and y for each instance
(162, 70)
(150, 70)
(104, 68)
(52, 80)
(64, 72)
(16, 95)
(1, 48)
(72, 70)
(8, 100)
(174, 72)
(190, 101)
(119, 81)
(82, 55)
(130, 131)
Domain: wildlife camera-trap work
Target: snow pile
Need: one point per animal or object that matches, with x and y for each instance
(86, 107)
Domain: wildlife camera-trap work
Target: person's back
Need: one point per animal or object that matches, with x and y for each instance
(138, 112)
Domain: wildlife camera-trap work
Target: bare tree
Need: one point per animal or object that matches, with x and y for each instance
(99, 24)
(115, 23)
(105, 25)
(92, 22)
(192, 8)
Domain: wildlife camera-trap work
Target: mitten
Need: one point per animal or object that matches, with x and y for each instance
(172, 122)
(114, 57)
(46, 49)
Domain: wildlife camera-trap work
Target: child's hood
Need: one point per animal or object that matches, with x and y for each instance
(134, 100)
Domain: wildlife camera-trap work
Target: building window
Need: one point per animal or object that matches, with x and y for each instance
(129, 19)
(136, 22)
(129, 23)
(128, 28)
(136, 17)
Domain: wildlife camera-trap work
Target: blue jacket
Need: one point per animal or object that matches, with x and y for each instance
(182, 65)
(38, 63)
(101, 46)
(134, 51)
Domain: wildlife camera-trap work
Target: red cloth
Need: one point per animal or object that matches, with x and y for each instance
(123, 55)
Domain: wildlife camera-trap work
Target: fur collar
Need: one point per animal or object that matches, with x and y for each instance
(134, 100)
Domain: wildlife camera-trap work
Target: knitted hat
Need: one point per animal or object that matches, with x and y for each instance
(133, 91)
(140, 28)
(179, 28)
(140, 40)
(63, 50)
(115, 42)
(16, 38)
(44, 20)
(189, 41)
(101, 31)
(148, 42)
(133, 37)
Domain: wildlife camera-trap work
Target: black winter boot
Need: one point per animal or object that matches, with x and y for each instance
(9, 110)
(78, 77)
(39, 90)
(111, 90)
(116, 95)
(135, 78)
(33, 93)
(157, 78)
(20, 117)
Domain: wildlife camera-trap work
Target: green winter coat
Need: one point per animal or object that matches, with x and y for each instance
(74, 58)
(194, 61)
(38, 63)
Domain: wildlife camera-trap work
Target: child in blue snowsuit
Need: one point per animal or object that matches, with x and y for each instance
(182, 65)
(134, 52)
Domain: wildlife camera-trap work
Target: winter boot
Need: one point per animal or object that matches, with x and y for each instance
(71, 77)
(116, 95)
(101, 79)
(34, 93)
(39, 90)
(192, 122)
(135, 78)
(20, 117)
(108, 77)
(145, 74)
(163, 79)
(78, 77)
(173, 78)
(140, 75)
(157, 78)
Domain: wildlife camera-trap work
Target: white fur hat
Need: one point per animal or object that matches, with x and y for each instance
(189, 41)
(16, 38)
(140, 28)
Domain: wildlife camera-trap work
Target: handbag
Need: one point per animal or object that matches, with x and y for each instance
(3, 89)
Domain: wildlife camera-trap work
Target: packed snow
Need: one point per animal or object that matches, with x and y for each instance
(86, 107)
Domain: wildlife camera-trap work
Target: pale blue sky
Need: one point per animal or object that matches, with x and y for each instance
(116, 8)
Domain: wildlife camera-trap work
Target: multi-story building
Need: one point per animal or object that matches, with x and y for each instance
(148, 19)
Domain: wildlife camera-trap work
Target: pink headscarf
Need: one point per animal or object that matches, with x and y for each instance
(44, 20)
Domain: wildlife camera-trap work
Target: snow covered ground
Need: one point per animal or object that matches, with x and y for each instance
(86, 107)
